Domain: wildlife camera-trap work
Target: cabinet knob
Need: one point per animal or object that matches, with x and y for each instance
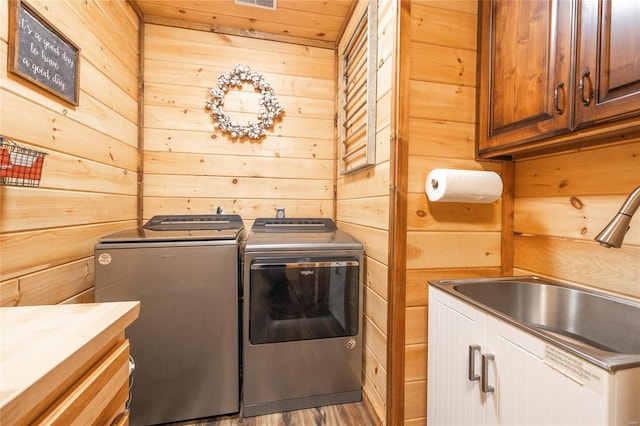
(585, 76)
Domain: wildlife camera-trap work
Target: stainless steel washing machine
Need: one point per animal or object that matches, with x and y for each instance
(302, 316)
(184, 270)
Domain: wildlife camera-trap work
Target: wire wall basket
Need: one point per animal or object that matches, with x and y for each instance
(19, 166)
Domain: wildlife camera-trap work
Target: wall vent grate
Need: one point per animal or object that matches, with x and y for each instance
(263, 4)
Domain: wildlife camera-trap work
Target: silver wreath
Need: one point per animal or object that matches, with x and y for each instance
(269, 108)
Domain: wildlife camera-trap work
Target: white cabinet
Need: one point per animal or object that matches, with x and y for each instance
(532, 382)
(454, 328)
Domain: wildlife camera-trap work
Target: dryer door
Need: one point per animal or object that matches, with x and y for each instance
(302, 299)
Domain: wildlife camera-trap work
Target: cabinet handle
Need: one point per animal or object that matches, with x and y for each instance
(585, 101)
(486, 358)
(559, 110)
(473, 349)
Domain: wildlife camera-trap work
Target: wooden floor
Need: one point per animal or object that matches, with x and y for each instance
(354, 414)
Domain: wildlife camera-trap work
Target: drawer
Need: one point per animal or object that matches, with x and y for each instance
(98, 397)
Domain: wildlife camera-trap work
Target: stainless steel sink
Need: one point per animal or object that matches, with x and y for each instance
(598, 327)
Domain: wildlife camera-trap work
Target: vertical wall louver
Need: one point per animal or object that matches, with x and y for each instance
(357, 90)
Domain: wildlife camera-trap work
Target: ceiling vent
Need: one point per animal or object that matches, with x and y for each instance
(263, 4)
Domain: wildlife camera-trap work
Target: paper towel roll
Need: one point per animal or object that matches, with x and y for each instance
(463, 186)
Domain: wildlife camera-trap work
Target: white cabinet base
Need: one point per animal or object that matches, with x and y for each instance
(535, 383)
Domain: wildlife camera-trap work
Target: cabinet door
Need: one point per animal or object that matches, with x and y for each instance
(535, 389)
(453, 399)
(525, 68)
(608, 66)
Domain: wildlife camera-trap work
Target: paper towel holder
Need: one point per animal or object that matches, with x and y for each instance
(463, 186)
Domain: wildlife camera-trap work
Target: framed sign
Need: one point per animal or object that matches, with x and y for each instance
(39, 53)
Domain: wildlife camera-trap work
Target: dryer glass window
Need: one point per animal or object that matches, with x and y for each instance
(302, 299)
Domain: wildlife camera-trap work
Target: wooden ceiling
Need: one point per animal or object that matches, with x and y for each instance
(310, 22)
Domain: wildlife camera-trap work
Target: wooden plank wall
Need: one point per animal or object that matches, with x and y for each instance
(89, 183)
(190, 167)
(444, 240)
(562, 202)
(363, 210)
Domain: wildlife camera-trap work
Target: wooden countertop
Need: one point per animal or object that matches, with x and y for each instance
(42, 346)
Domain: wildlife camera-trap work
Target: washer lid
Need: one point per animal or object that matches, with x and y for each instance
(181, 228)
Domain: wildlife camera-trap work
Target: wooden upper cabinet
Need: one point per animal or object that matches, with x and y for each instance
(549, 69)
(608, 70)
(524, 67)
